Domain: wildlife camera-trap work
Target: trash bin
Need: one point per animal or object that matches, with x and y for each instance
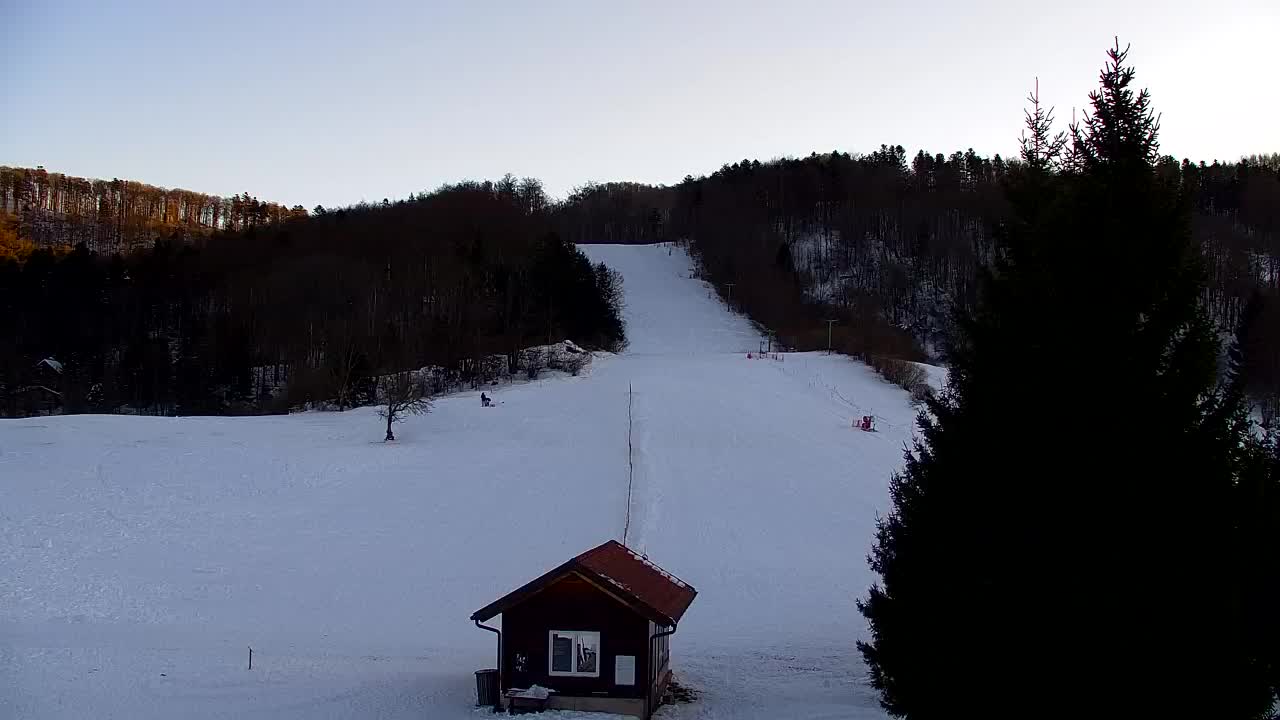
(487, 687)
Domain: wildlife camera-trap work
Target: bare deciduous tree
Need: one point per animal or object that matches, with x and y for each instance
(404, 395)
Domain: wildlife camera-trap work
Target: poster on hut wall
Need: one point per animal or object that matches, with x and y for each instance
(561, 653)
(624, 670)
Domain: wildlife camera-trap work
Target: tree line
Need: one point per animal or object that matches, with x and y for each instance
(892, 245)
(42, 209)
(615, 213)
(887, 245)
(312, 310)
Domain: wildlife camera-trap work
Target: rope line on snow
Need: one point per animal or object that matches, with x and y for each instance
(631, 465)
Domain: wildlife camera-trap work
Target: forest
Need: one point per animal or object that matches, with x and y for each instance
(888, 246)
(301, 311)
(44, 209)
(891, 246)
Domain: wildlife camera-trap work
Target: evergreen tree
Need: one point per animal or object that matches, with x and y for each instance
(1059, 539)
(1251, 662)
(1255, 580)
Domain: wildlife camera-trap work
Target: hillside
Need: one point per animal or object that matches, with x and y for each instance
(889, 243)
(144, 555)
(50, 209)
(317, 311)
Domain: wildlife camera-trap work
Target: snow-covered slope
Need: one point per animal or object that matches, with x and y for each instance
(141, 557)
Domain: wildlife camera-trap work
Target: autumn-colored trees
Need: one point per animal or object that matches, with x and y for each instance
(313, 310)
(52, 210)
(884, 243)
(11, 247)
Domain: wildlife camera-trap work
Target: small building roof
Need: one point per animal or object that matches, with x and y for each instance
(632, 578)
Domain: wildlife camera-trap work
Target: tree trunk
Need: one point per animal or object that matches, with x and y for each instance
(390, 435)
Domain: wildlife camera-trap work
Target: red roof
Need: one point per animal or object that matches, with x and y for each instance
(650, 590)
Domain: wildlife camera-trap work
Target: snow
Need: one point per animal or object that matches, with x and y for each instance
(670, 578)
(142, 557)
(935, 375)
(534, 692)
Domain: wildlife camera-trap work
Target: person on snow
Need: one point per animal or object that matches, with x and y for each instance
(485, 401)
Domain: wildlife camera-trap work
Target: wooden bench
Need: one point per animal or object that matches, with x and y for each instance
(519, 704)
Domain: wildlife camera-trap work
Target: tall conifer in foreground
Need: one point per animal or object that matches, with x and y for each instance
(1059, 536)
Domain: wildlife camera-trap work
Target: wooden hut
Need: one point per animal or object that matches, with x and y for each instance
(595, 630)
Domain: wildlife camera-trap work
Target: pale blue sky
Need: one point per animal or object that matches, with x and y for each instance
(332, 103)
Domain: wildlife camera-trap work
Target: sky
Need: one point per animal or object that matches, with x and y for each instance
(333, 103)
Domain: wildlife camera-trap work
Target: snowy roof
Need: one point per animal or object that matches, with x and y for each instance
(652, 591)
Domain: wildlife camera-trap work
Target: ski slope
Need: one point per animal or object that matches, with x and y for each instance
(140, 558)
